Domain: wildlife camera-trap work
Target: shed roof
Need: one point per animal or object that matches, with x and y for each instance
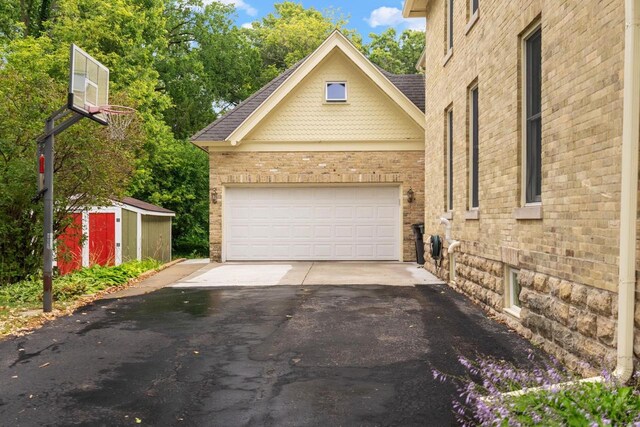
(145, 206)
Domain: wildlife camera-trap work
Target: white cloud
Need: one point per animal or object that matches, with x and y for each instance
(385, 16)
(392, 17)
(242, 5)
(247, 25)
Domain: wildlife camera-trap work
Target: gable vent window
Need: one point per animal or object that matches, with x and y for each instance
(336, 92)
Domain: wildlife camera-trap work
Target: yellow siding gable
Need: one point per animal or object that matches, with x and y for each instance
(368, 115)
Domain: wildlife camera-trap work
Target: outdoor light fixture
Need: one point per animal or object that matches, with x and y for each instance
(410, 194)
(214, 196)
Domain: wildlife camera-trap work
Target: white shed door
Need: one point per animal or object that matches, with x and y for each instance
(312, 223)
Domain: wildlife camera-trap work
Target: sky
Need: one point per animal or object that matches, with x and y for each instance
(366, 16)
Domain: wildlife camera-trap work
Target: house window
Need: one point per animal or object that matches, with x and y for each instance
(512, 293)
(473, 148)
(336, 92)
(449, 159)
(473, 6)
(532, 134)
(449, 26)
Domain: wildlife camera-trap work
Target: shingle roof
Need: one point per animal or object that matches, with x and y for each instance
(144, 205)
(224, 126)
(411, 85)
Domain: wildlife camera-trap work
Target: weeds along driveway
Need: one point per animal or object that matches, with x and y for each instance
(275, 356)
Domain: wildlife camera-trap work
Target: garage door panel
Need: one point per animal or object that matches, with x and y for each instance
(302, 231)
(365, 212)
(312, 223)
(300, 212)
(301, 251)
(344, 251)
(385, 231)
(260, 231)
(239, 212)
(365, 231)
(240, 231)
(323, 212)
(385, 250)
(278, 212)
(322, 231)
(280, 251)
(322, 251)
(259, 213)
(344, 212)
(365, 251)
(344, 231)
(386, 212)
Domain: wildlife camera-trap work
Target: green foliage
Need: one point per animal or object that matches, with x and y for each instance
(577, 405)
(397, 54)
(209, 62)
(551, 395)
(181, 63)
(175, 175)
(87, 281)
(292, 32)
(89, 166)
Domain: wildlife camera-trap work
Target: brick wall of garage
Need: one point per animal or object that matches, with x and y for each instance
(405, 168)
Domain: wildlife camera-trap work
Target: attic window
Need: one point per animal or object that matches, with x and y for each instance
(336, 92)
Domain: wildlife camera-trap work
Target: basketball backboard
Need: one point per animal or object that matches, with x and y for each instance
(88, 85)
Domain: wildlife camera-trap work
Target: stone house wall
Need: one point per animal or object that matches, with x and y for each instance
(567, 258)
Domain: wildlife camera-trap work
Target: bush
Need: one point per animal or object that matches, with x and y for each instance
(482, 399)
(83, 282)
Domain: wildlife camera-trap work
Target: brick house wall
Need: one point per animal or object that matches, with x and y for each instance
(568, 258)
(402, 168)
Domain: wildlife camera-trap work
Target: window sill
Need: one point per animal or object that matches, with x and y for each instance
(336, 102)
(447, 215)
(472, 21)
(447, 57)
(472, 215)
(528, 212)
(513, 311)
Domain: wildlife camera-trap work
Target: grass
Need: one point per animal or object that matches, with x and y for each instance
(484, 399)
(21, 297)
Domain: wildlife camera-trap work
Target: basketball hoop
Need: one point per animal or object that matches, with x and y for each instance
(118, 118)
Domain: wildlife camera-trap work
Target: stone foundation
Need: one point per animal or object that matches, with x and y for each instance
(573, 322)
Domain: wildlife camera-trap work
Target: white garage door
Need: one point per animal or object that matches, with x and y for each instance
(312, 223)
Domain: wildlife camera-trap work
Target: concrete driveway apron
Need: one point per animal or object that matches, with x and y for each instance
(297, 355)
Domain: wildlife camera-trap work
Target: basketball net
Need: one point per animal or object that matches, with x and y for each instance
(119, 118)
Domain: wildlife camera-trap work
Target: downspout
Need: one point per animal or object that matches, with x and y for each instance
(453, 244)
(629, 190)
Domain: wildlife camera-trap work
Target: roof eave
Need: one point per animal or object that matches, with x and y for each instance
(415, 8)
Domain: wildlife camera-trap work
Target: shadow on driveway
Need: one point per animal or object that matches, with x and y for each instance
(279, 356)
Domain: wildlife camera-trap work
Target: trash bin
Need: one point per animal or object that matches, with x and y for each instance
(418, 233)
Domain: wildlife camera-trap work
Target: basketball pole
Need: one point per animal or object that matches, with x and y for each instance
(47, 268)
(47, 253)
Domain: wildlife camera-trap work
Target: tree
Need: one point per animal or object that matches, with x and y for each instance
(210, 65)
(293, 32)
(89, 167)
(396, 54)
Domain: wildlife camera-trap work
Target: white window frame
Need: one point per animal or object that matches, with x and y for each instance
(523, 143)
(450, 142)
(471, 11)
(470, 148)
(450, 16)
(326, 92)
(511, 278)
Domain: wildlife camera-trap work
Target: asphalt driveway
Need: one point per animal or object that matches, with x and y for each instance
(274, 356)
